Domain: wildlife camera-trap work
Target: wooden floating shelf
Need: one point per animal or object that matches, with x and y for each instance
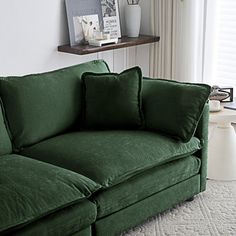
(123, 42)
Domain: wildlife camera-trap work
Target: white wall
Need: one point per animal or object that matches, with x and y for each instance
(30, 32)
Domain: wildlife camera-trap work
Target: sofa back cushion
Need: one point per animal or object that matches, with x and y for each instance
(173, 108)
(5, 142)
(39, 106)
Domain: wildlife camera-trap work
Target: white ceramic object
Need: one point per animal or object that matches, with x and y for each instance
(214, 105)
(132, 20)
(222, 146)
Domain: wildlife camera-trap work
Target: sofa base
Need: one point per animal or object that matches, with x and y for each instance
(135, 214)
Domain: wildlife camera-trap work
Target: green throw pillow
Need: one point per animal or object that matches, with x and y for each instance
(172, 107)
(112, 101)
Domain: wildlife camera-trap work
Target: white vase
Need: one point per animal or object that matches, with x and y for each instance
(132, 20)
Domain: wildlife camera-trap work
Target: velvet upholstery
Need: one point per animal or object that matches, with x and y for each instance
(173, 108)
(95, 183)
(145, 184)
(44, 104)
(202, 134)
(113, 101)
(150, 206)
(110, 157)
(5, 142)
(84, 232)
(75, 219)
(31, 189)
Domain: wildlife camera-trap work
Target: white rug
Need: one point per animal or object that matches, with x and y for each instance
(212, 212)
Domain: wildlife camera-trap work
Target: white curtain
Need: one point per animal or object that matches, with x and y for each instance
(161, 53)
(220, 43)
(180, 25)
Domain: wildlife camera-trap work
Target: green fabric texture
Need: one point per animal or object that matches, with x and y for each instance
(65, 222)
(115, 224)
(5, 142)
(39, 106)
(144, 185)
(85, 232)
(112, 101)
(32, 189)
(202, 134)
(173, 108)
(110, 157)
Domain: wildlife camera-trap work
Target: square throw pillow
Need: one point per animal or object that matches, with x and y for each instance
(113, 101)
(172, 107)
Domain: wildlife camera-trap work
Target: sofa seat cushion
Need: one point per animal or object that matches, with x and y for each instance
(43, 105)
(68, 221)
(144, 185)
(30, 190)
(110, 157)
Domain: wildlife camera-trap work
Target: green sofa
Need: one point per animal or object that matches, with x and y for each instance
(60, 177)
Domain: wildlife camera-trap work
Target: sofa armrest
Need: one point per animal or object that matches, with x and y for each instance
(166, 110)
(202, 134)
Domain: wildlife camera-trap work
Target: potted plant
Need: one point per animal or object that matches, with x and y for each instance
(132, 18)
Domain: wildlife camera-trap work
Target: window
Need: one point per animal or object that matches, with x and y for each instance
(220, 43)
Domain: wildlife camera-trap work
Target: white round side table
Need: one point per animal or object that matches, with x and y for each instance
(222, 146)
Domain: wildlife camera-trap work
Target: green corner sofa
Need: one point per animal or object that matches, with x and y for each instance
(58, 177)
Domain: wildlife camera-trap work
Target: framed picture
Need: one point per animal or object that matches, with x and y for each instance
(88, 16)
(111, 19)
